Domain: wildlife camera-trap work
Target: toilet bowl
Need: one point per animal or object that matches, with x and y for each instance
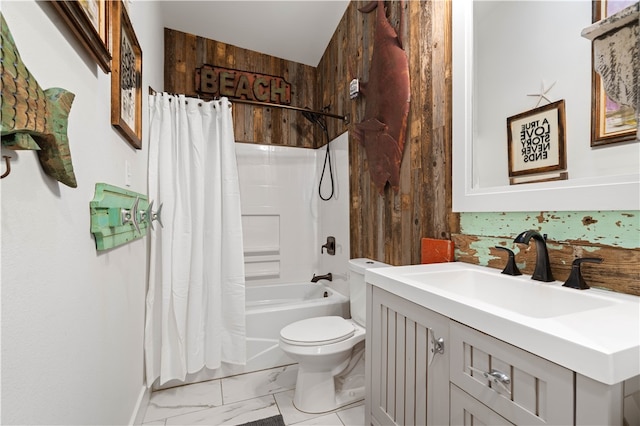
(330, 351)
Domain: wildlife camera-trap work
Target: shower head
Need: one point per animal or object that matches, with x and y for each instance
(311, 116)
(315, 118)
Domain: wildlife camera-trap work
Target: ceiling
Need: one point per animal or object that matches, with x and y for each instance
(295, 30)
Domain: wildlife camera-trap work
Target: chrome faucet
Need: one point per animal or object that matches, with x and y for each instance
(317, 278)
(542, 271)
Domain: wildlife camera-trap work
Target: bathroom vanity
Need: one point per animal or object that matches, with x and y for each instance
(456, 343)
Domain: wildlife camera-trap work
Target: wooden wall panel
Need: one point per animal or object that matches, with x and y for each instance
(254, 124)
(388, 227)
(610, 235)
(619, 271)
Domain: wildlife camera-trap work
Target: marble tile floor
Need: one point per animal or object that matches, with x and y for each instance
(240, 399)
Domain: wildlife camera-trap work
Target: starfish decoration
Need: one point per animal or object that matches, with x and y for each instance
(543, 93)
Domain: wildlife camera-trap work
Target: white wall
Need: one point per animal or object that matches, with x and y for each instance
(72, 318)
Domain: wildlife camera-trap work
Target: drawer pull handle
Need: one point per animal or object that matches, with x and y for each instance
(495, 376)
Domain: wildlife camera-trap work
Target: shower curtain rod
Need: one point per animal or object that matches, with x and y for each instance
(344, 118)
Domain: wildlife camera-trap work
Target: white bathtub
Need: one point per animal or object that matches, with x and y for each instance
(268, 309)
(271, 307)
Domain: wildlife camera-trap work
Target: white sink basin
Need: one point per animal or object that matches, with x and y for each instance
(522, 296)
(593, 332)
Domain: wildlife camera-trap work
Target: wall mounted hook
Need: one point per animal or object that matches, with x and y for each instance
(152, 216)
(116, 216)
(131, 215)
(7, 161)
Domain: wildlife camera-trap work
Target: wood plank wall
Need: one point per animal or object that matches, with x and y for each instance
(265, 125)
(618, 272)
(612, 236)
(388, 227)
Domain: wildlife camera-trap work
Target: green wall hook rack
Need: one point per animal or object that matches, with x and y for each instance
(117, 216)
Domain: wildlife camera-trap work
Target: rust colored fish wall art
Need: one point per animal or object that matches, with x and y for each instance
(387, 96)
(33, 118)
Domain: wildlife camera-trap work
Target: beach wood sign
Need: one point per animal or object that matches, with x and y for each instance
(225, 82)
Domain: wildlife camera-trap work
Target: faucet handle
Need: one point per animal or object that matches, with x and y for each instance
(510, 268)
(575, 279)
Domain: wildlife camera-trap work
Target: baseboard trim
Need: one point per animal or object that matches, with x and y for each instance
(140, 408)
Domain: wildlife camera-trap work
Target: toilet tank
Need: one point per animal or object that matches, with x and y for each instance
(358, 288)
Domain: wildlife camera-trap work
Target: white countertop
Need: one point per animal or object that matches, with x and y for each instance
(598, 336)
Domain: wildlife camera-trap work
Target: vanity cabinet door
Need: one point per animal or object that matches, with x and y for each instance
(408, 368)
(519, 386)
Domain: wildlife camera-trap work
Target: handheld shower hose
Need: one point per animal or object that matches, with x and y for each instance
(317, 119)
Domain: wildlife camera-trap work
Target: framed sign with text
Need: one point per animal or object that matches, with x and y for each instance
(536, 140)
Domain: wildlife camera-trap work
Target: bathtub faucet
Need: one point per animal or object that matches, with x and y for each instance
(317, 278)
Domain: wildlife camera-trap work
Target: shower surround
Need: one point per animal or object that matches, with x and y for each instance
(284, 221)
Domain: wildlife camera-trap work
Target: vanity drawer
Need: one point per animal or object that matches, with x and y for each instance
(468, 411)
(523, 388)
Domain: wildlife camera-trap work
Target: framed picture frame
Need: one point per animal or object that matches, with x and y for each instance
(126, 77)
(610, 122)
(543, 177)
(90, 22)
(536, 140)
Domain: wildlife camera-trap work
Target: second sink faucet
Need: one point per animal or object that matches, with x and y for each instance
(317, 278)
(542, 271)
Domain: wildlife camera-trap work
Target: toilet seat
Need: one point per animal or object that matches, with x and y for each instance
(317, 331)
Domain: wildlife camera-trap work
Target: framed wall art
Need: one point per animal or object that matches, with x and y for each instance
(543, 177)
(126, 77)
(89, 21)
(536, 140)
(610, 122)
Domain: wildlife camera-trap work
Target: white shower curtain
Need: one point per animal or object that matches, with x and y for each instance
(195, 301)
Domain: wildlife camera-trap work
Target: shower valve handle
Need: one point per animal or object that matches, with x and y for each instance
(330, 246)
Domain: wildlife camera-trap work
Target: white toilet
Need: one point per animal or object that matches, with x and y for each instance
(330, 350)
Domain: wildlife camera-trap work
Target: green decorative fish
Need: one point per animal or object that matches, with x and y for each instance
(33, 118)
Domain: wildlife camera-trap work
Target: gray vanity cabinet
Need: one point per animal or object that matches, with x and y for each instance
(407, 367)
(423, 368)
